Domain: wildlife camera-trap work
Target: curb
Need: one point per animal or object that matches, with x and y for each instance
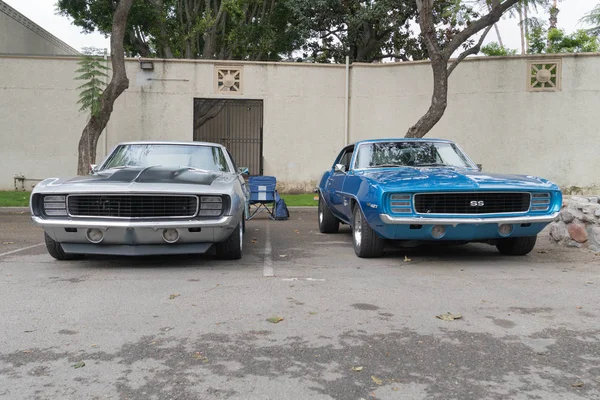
(14, 210)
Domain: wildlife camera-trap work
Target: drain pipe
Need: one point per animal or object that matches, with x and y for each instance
(346, 101)
(106, 128)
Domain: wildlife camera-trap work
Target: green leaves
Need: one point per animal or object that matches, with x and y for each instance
(92, 71)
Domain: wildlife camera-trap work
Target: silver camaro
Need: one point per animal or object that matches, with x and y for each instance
(146, 198)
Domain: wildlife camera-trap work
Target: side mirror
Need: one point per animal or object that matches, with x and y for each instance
(243, 170)
(480, 166)
(93, 168)
(339, 168)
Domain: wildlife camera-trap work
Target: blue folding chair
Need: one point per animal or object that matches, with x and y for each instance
(263, 196)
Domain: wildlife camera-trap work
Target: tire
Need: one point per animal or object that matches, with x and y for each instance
(519, 246)
(367, 244)
(231, 248)
(55, 250)
(328, 223)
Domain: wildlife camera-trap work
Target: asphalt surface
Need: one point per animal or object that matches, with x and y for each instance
(196, 327)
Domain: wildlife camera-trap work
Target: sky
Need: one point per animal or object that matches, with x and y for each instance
(43, 13)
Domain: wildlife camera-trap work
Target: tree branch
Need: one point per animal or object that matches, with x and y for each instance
(473, 50)
(498, 8)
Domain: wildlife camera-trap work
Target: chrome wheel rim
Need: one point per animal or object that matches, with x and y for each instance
(320, 215)
(357, 228)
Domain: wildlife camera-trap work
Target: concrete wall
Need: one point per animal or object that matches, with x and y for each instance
(490, 113)
(20, 35)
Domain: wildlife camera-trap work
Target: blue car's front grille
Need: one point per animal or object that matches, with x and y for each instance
(472, 203)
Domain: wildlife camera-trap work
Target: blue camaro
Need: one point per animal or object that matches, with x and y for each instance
(418, 190)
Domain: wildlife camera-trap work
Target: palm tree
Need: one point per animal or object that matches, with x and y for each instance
(525, 22)
(521, 10)
(593, 18)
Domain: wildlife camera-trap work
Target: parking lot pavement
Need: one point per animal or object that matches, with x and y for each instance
(196, 328)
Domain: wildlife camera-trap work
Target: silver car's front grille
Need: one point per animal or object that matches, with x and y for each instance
(132, 206)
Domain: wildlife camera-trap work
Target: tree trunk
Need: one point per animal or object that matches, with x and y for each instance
(526, 28)
(119, 82)
(439, 100)
(441, 56)
(521, 28)
(498, 35)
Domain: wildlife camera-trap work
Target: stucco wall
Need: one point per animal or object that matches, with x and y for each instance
(20, 35)
(490, 113)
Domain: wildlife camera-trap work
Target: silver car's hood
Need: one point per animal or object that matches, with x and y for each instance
(142, 180)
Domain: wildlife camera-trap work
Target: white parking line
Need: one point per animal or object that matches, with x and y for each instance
(23, 249)
(268, 267)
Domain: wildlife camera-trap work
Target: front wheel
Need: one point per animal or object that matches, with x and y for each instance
(231, 248)
(55, 250)
(328, 223)
(367, 244)
(518, 246)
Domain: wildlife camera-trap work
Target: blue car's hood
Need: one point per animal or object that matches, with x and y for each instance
(424, 179)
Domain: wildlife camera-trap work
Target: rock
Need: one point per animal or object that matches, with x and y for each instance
(572, 243)
(558, 232)
(566, 215)
(575, 210)
(597, 213)
(576, 199)
(577, 232)
(593, 200)
(596, 235)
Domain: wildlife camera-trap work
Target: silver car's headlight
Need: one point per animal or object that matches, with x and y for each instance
(55, 205)
(210, 206)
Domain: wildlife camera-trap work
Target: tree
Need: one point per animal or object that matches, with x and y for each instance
(118, 84)
(209, 29)
(495, 49)
(554, 41)
(593, 18)
(92, 71)
(366, 31)
(441, 49)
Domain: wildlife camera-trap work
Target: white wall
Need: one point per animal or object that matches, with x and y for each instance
(490, 114)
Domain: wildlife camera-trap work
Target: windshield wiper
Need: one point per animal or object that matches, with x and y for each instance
(387, 165)
(433, 165)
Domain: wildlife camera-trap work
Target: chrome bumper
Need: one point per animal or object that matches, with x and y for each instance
(388, 219)
(104, 224)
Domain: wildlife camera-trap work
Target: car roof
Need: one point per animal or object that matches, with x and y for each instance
(188, 143)
(402, 140)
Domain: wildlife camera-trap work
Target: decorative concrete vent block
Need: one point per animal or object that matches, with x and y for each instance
(229, 80)
(544, 75)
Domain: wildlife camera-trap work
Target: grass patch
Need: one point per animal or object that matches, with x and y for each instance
(14, 199)
(21, 199)
(304, 199)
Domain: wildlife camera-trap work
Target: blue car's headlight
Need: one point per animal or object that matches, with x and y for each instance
(540, 201)
(401, 203)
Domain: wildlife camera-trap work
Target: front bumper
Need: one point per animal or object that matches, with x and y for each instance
(388, 219)
(138, 237)
(458, 229)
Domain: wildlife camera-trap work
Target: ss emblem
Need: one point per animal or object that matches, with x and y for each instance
(476, 203)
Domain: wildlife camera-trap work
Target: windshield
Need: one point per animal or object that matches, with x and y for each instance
(412, 154)
(209, 158)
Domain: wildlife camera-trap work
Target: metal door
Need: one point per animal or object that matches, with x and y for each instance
(236, 124)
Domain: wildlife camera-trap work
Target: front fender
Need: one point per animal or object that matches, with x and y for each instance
(367, 196)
